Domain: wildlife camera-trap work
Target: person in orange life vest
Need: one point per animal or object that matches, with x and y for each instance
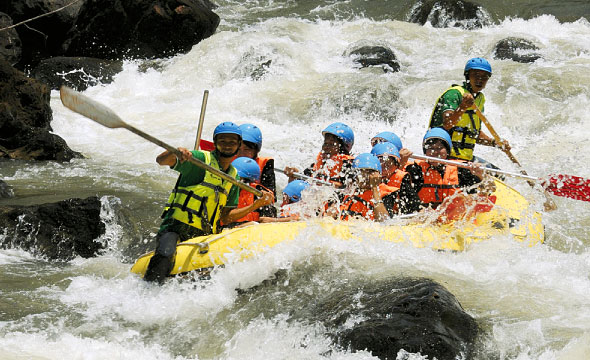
(391, 137)
(368, 198)
(250, 148)
(291, 195)
(334, 162)
(407, 200)
(434, 181)
(248, 203)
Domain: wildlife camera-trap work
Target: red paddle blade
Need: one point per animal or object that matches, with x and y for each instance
(206, 145)
(573, 187)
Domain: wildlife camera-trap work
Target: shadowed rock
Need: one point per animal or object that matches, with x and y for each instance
(379, 56)
(76, 72)
(10, 44)
(25, 117)
(5, 190)
(416, 315)
(516, 49)
(449, 13)
(58, 231)
(140, 28)
(43, 37)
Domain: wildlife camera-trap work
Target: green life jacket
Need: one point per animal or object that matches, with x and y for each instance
(200, 205)
(465, 133)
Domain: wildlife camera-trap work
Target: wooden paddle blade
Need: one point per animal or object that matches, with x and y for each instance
(573, 187)
(206, 145)
(84, 105)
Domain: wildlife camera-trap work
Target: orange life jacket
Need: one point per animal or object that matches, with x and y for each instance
(362, 205)
(286, 211)
(396, 179)
(247, 199)
(331, 171)
(437, 188)
(262, 162)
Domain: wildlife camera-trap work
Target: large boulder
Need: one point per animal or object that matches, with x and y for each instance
(43, 37)
(57, 231)
(416, 315)
(516, 49)
(141, 28)
(76, 72)
(450, 13)
(10, 44)
(25, 117)
(375, 56)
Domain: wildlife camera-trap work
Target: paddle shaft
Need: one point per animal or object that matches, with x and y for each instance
(201, 119)
(307, 178)
(103, 115)
(468, 166)
(549, 203)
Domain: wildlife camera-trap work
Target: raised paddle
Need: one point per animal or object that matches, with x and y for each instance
(96, 111)
(201, 119)
(549, 203)
(573, 187)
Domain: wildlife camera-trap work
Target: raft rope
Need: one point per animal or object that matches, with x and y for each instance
(40, 16)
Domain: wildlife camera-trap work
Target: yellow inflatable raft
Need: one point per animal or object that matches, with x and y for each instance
(511, 214)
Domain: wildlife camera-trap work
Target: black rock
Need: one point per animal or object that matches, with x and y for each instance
(10, 44)
(516, 49)
(5, 190)
(450, 13)
(140, 28)
(367, 56)
(25, 117)
(57, 231)
(417, 315)
(76, 72)
(43, 37)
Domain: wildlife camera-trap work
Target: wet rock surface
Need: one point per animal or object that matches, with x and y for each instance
(375, 56)
(58, 231)
(25, 117)
(416, 315)
(5, 190)
(450, 13)
(76, 72)
(516, 49)
(10, 44)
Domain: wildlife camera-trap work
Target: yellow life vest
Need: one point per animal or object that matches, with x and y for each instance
(200, 205)
(465, 133)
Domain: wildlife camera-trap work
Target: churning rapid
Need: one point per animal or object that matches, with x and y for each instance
(283, 66)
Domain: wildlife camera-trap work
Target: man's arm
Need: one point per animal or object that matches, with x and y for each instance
(169, 158)
(229, 215)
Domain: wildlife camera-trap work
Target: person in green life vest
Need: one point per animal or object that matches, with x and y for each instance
(455, 112)
(200, 199)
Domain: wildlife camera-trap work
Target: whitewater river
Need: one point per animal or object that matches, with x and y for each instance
(531, 303)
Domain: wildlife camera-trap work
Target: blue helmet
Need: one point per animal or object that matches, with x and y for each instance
(294, 188)
(251, 133)
(478, 64)
(247, 168)
(227, 127)
(367, 161)
(385, 148)
(438, 133)
(390, 137)
(341, 131)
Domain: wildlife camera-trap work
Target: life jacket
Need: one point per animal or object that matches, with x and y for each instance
(332, 170)
(262, 162)
(362, 205)
(200, 205)
(396, 179)
(465, 133)
(247, 199)
(436, 187)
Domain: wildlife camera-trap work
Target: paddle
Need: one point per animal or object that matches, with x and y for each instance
(306, 178)
(573, 187)
(549, 203)
(201, 119)
(96, 111)
(207, 145)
